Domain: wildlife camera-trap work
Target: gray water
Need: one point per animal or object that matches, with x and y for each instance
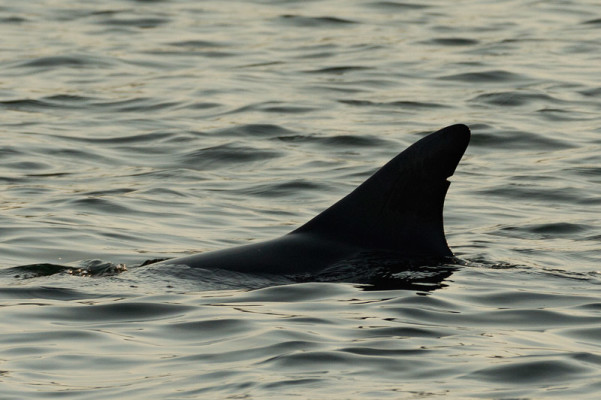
(141, 130)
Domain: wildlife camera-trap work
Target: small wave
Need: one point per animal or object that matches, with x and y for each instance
(98, 204)
(81, 156)
(513, 99)
(352, 141)
(452, 42)
(271, 107)
(412, 105)
(594, 92)
(596, 21)
(557, 228)
(68, 98)
(556, 114)
(337, 70)
(49, 293)
(254, 130)
(338, 141)
(12, 20)
(274, 107)
(532, 370)
(587, 171)
(49, 175)
(294, 293)
(211, 328)
(139, 139)
(394, 5)
(138, 104)
(225, 155)
(74, 61)
(30, 105)
(202, 105)
(196, 44)
(281, 189)
(588, 334)
(117, 311)
(142, 23)
(290, 109)
(59, 101)
(548, 230)
(530, 192)
(28, 166)
(485, 76)
(311, 22)
(184, 52)
(518, 140)
(71, 102)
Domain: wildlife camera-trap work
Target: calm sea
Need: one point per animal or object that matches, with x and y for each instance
(140, 130)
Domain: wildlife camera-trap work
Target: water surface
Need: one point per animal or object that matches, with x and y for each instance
(141, 130)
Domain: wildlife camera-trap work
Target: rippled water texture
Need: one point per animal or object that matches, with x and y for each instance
(142, 130)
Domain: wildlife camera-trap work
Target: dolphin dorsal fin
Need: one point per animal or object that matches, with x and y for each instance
(400, 207)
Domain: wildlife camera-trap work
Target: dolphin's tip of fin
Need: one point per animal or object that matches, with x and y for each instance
(440, 152)
(461, 127)
(400, 207)
(461, 135)
(459, 131)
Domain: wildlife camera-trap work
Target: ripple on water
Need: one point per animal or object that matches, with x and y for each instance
(557, 229)
(541, 194)
(338, 142)
(119, 311)
(133, 22)
(515, 139)
(254, 130)
(551, 369)
(151, 138)
(91, 104)
(596, 21)
(257, 354)
(71, 61)
(588, 335)
(594, 92)
(452, 41)
(117, 118)
(282, 189)
(489, 76)
(314, 22)
(295, 293)
(410, 105)
(514, 98)
(432, 332)
(338, 70)
(13, 20)
(226, 155)
(40, 292)
(208, 329)
(397, 5)
(99, 204)
(135, 105)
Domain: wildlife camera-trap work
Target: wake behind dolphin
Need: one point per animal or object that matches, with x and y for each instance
(397, 212)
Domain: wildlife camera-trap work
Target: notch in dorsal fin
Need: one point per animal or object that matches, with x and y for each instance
(399, 208)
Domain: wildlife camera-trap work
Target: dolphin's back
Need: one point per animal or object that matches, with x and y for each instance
(398, 209)
(290, 254)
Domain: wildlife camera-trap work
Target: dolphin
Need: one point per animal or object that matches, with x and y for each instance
(397, 211)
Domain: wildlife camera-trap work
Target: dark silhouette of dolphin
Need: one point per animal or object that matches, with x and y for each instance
(397, 211)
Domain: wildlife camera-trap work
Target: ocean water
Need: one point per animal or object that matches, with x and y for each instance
(142, 130)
